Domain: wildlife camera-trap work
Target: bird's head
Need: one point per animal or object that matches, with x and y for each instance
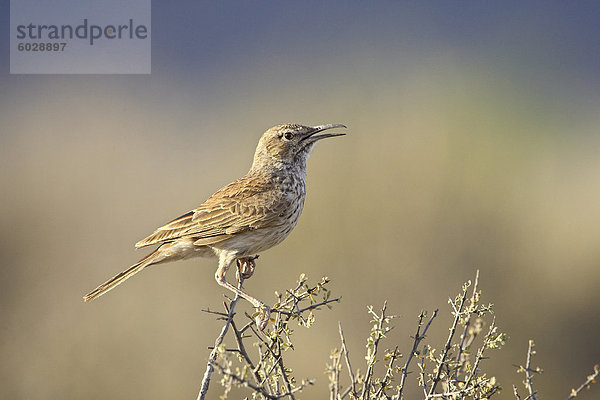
(290, 144)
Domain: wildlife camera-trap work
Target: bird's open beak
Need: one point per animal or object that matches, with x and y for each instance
(313, 137)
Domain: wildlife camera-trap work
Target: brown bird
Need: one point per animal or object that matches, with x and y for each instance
(251, 214)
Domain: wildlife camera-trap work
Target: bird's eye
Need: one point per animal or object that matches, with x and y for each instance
(288, 136)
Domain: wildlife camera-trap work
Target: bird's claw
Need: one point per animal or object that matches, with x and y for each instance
(245, 267)
(262, 317)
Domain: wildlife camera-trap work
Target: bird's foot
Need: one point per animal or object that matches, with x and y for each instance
(245, 267)
(262, 316)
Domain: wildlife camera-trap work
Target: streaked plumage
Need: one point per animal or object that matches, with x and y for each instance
(251, 214)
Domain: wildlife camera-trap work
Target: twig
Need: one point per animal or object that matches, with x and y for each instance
(371, 362)
(516, 393)
(243, 352)
(229, 350)
(465, 391)
(219, 313)
(389, 374)
(528, 375)
(590, 379)
(448, 346)
(334, 378)
(307, 308)
(480, 352)
(416, 341)
(463, 336)
(283, 373)
(260, 389)
(422, 373)
(347, 357)
(213, 354)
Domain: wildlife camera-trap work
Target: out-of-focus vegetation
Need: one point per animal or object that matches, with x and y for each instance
(472, 144)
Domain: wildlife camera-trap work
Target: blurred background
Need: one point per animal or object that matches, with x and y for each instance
(473, 142)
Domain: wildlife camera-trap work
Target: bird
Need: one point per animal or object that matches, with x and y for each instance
(246, 217)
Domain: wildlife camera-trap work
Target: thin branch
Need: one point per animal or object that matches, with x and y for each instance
(219, 313)
(226, 349)
(448, 346)
(307, 308)
(416, 341)
(466, 390)
(528, 375)
(347, 357)
(480, 352)
(516, 393)
(243, 352)
(371, 363)
(260, 389)
(345, 393)
(334, 375)
(463, 336)
(422, 373)
(248, 325)
(590, 379)
(389, 374)
(283, 373)
(213, 354)
(270, 350)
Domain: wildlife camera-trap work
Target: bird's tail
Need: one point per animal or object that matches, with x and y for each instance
(152, 258)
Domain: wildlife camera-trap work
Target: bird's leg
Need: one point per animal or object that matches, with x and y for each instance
(264, 312)
(245, 267)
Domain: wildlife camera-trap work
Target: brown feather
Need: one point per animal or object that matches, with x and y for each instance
(240, 206)
(151, 258)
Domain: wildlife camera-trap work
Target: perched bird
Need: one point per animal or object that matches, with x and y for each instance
(251, 214)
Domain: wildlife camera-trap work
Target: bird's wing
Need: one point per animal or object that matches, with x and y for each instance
(243, 205)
